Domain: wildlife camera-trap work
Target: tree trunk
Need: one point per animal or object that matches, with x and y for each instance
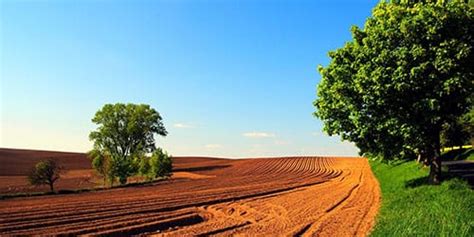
(435, 164)
(51, 186)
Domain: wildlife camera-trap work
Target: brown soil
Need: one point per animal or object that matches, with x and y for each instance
(258, 197)
(19, 162)
(77, 173)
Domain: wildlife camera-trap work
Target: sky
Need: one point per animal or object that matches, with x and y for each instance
(230, 78)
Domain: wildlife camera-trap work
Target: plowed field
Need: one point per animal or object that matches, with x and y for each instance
(257, 197)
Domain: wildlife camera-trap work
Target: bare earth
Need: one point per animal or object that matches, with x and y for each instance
(252, 197)
(15, 164)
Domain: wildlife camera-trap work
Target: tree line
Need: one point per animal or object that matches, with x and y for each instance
(403, 86)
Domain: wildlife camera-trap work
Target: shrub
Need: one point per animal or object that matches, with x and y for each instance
(160, 164)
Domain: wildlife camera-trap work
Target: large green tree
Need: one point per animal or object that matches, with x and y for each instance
(124, 135)
(405, 74)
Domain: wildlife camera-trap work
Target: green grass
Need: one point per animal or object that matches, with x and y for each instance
(410, 207)
(470, 155)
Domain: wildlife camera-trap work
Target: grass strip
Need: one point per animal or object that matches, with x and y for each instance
(411, 207)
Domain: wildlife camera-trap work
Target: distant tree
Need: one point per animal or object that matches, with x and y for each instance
(45, 172)
(126, 133)
(405, 74)
(161, 164)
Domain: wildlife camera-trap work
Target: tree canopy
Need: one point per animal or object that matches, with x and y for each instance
(124, 135)
(402, 77)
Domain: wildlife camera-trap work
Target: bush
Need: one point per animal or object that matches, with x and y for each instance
(160, 164)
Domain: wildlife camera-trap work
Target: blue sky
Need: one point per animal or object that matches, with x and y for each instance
(230, 78)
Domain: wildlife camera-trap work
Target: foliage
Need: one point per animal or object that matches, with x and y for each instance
(454, 134)
(45, 172)
(467, 123)
(125, 133)
(101, 162)
(410, 208)
(460, 131)
(145, 167)
(404, 75)
(161, 164)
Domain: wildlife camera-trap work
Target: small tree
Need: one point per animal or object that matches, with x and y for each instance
(45, 172)
(161, 164)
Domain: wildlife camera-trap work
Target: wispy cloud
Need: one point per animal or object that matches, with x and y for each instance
(213, 146)
(182, 125)
(281, 142)
(258, 134)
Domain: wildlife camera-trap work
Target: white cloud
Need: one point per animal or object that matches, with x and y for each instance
(281, 142)
(182, 125)
(258, 134)
(213, 146)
